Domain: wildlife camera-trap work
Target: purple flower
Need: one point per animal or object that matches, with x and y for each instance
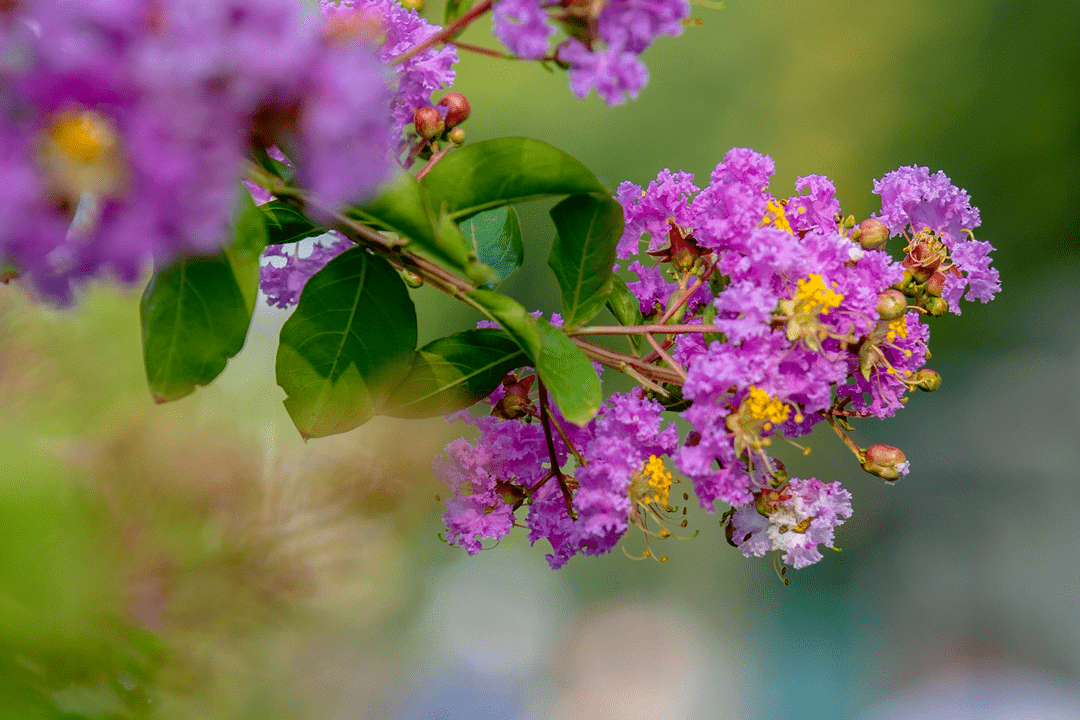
(523, 27)
(912, 197)
(634, 24)
(818, 208)
(127, 124)
(413, 81)
(474, 511)
(287, 268)
(805, 516)
(667, 200)
(612, 71)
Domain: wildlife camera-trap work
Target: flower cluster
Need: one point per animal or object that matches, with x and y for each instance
(125, 125)
(782, 314)
(604, 39)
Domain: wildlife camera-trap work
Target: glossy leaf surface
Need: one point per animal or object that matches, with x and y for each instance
(582, 255)
(488, 174)
(194, 317)
(495, 236)
(454, 372)
(568, 374)
(347, 345)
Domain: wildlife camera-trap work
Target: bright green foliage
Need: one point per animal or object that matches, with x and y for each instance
(568, 374)
(624, 306)
(454, 372)
(583, 253)
(488, 174)
(495, 236)
(347, 345)
(455, 9)
(513, 318)
(286, 224)
(195, 313)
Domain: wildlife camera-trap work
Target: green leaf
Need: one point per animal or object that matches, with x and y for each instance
(249, 240)
(568, 375)
(194, 317)
(454, 372)
(488, 174)
(587, 229)
(286, 224)
(402, 208)
(347, 345)
(513, 318)
(455, 9)
(495, 235)
(625, 307)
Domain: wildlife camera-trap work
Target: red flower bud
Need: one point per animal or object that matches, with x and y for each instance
(935, 284)
(885, 461)
(429, 123)
(457, 108)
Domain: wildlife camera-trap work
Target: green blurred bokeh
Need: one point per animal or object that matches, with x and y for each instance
(199, 560)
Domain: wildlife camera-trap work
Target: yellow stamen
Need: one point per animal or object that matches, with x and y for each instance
(84, 136)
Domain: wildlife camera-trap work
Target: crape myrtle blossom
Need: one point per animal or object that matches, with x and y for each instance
(605, 39)
(127, 124)
(398, 29)
(937, 215)
(285, 271)
(808, 322)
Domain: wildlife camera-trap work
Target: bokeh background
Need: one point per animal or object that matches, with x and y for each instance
(199, 560)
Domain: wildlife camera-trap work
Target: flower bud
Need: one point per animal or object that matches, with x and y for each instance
(457, 136)
(935, 305)
(891, 304)
(457, 108)
(411, 279)
(885, 461)
(926, 380)
(417, 5)
(515, 401)
(429, 123)
(873, 234)
(935, 284)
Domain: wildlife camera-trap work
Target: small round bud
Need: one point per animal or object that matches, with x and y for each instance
(457, 136)
(429, 123)
(873, 234)
(935, 306)
(411, 279)
(926, 380)
(885, 461)
(417, 5)
(457, 108)
(935, 284)
(891, 304)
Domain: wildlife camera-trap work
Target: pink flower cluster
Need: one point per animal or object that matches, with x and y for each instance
(808, 319)
(604, 41)
(125, 124)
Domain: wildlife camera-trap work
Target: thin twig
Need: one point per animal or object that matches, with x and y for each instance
(446, 33)
(642, 329)
(851, 445)
(667, 358)
(551, 451)
(566, 440)
(434, 159)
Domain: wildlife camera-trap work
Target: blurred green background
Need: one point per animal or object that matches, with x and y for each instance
(199, 560)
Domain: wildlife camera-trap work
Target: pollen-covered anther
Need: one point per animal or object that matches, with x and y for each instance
(649, 492)
(81, 155)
